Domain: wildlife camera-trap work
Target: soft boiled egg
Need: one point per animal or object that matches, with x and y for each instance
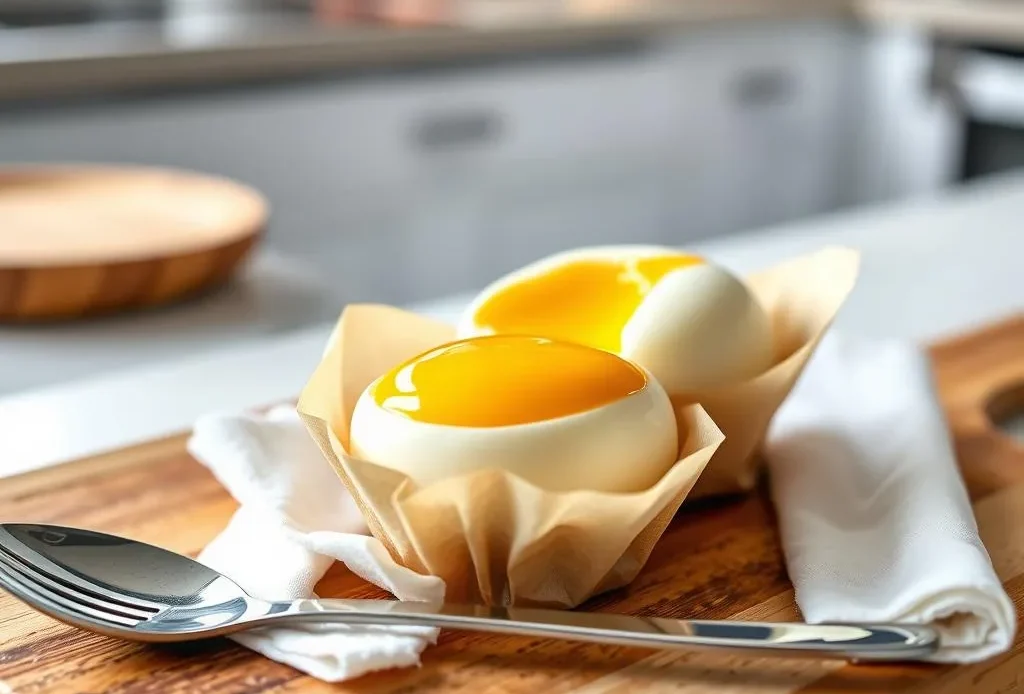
(690, 323)
(560, 415)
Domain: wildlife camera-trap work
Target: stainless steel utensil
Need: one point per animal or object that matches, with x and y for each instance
(132, 590)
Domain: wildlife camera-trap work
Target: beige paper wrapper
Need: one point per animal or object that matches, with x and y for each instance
(801, 296)
(491, 536)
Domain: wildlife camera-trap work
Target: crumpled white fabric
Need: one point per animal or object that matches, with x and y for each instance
(875, 520)
(295, 520)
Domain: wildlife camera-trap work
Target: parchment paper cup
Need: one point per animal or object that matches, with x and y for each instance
(493, 537)
(801, 296)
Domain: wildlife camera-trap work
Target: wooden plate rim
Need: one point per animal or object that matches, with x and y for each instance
(258, 226)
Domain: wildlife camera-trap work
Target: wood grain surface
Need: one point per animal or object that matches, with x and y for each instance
(718, 560)
(85, 240)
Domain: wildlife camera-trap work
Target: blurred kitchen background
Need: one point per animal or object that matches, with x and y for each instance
(414, 149)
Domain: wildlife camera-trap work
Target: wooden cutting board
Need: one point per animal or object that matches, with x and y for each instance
(721, 560)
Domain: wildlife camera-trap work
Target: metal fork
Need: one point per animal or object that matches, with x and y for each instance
(139, 592)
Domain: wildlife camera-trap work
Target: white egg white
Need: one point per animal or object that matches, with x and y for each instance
(699, 327)
(623, 446)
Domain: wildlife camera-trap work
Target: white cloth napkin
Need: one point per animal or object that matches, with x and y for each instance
(875, 520)
(295, 520)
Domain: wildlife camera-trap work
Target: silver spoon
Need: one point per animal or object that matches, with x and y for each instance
(132, 590)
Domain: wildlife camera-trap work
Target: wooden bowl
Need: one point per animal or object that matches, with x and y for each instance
(81, 240)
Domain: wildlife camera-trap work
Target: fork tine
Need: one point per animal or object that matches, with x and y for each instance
(57, 608)
(75, 591)
(27, 586)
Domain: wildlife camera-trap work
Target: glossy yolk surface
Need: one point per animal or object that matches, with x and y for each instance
(503, 380)
(586, 301)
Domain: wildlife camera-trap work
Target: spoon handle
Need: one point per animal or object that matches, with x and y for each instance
(850, 641)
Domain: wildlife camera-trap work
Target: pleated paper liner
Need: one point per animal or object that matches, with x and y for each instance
(492, 537)
(802, 296)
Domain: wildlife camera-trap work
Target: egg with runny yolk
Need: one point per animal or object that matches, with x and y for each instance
(560, 415)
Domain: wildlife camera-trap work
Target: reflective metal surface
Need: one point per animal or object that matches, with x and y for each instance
(135, 591)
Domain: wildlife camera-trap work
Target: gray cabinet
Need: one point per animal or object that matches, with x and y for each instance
(406, 186)
(767, 112)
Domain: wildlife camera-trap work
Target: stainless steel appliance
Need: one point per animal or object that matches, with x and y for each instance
(986, 85)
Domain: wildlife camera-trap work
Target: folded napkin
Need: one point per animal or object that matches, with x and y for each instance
(875, 520)
(295, 520)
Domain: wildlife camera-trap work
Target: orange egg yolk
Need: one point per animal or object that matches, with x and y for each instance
(586, 301)
(503, 380)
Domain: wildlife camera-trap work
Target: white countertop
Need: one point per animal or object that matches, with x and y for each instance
(193, 46)
(931, 267)
(196, 48)
(273, 294)
(992, 22)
